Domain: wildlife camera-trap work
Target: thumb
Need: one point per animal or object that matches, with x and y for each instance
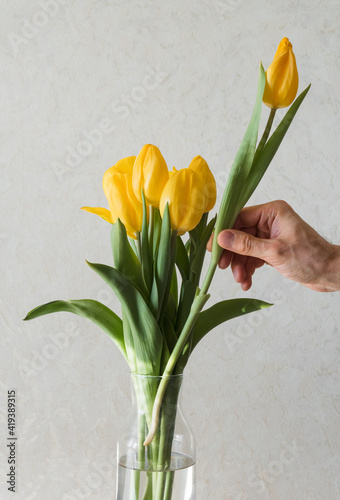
(245, 244)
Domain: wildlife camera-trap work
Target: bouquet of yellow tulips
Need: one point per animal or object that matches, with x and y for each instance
(156, 273)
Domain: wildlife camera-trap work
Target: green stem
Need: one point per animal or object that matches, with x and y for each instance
(151, 226)
(170, 476)
(135, 484)
(265, 133)
(197, 305)
(141, 437)
(166, 427)
(148, 487)
(139, 245)
(196, 308)
(208, 277)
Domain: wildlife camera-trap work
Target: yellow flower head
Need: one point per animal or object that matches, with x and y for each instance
(282, 79)
(150, 173)
(117, 185)
(200, 166)
(184, 193)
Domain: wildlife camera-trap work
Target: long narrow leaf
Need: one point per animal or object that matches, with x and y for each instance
(231, 200)
(174, 288)
(147, 337)
(268, 152)
(221, 312)
(129, 342)
(197, 262)
(187, 297)
(90, 309)
(146, 255)
(162, 265)
(182, 260)
(124, 258)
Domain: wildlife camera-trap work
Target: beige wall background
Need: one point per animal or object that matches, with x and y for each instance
(85, 83)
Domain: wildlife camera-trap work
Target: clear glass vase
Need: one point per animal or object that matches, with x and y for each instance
(164, 470)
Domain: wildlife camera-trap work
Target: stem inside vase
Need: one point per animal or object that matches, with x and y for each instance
(164, 470)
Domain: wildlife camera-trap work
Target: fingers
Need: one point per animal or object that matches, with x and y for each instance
(225, 259)
(243, 268)
(245, 244)
(210, 242)
(238, 267)
(250, 230)
(250, 270)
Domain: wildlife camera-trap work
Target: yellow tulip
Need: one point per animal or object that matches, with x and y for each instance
(282, 79)
(117, 185)
(123, 166)
(184, 193)
(200, 166)
(150, 173)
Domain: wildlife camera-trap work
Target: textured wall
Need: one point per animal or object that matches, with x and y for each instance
(262, 393)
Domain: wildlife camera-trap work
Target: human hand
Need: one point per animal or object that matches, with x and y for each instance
(273, 233)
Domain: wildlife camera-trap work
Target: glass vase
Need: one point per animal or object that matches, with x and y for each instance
(164, 470)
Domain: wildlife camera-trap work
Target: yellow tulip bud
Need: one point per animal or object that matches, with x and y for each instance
(150, 173)
(123, 166)
(200, 166)
(123, 203)
(282, 79)
(117, 185)
(184, 193)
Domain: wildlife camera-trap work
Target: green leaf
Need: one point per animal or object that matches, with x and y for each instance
(201, 226)
(147, 337)
(172, 257)
(264, 158)
(146, 255)
(157, 225)
(124, 258)
(133, 246)
(174, 288)
(170, 334)
(221, 312)
(90, 309)
(129, 342)
(162, 265)
(232, 201)
(197, 263)
(188, 292)
(182, 259)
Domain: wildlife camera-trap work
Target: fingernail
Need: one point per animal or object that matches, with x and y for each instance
(226, 239)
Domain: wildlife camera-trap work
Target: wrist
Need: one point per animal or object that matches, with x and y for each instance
(331, 277)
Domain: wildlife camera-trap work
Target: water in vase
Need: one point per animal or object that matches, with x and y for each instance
(177, 483)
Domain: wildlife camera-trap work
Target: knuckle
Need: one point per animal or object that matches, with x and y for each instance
(246, 244)
(283, 206)
(277, 249)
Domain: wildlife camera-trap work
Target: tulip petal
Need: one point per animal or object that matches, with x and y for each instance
(282, 79)
(123, 203)
(123, 166)
(150, 174)
(104, 213)
(200, 166)
(184, 193)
